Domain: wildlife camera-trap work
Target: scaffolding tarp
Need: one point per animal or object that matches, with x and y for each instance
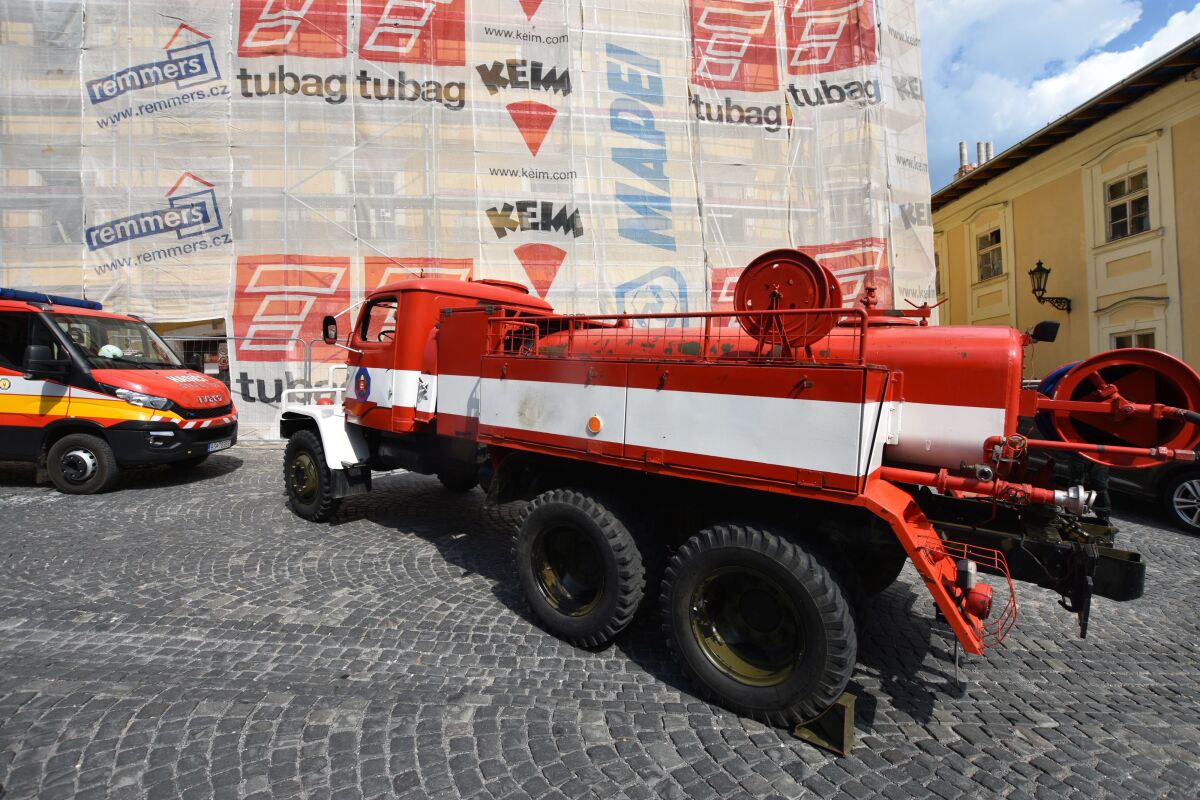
(265, 162)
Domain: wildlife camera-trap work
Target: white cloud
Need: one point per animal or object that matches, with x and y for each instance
(1001, 69)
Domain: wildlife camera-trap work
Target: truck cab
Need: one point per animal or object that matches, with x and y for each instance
(85, 393)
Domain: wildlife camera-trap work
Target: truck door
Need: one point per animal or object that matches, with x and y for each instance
(26, 406)
(369, 373)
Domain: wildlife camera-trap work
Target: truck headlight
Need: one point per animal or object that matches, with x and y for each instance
(140, 399)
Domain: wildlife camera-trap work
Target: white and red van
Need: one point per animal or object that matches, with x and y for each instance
(85, 392)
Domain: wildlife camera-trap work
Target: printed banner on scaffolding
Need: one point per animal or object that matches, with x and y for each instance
(266, 162)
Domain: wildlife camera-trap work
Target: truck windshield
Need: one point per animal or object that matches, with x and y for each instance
(114, 343)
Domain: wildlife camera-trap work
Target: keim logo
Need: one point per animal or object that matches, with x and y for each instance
(540, 261)
(391, 31)
(362, 384)
(533, 119)
(534, 215)
(733, 45)
(185, 66)
(188, 214)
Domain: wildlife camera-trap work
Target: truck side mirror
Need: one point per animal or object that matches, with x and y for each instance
(40, 363)
(1045, 331)
(329, 332)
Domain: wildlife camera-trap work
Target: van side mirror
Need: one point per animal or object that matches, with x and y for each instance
(40, 363)
(1045, 331)
(329, 332)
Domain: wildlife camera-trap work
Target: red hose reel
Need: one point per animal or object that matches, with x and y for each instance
(1129, 398)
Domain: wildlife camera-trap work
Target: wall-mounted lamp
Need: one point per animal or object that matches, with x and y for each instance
(1038, 276)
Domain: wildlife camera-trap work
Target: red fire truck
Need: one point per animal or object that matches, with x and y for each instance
(759, 471)
(85, 392)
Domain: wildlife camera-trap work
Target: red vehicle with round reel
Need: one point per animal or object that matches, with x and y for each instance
(757, 471)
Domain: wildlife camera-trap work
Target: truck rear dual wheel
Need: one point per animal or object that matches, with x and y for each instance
(580, 566)
(80, 463)
(307, 479)
(759, 624)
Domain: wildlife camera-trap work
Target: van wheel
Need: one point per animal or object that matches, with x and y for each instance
(307, 478)
(579, 566)
(759, 624)
(80, 463)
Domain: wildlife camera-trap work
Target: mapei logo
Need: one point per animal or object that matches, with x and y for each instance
(733, 45)
(400, 31)
(533, 119)
(192, 210)
(660, 291)
(830, 35)
(185, 66)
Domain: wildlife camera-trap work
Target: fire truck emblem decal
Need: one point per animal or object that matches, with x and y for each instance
(362, 384)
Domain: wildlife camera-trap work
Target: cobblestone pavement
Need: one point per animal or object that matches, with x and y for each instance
(189, 637)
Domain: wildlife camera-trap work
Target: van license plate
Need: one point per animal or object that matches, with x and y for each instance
(221, 445)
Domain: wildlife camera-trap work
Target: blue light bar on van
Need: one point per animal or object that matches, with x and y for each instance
(42, 297)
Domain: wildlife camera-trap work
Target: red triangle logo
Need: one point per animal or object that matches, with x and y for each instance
(541, 263)
(530, 7)
(533, 120)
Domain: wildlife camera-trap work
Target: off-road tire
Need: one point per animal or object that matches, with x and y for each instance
(1187, 484)
(620, 572)
(823, 619)
(99, 459)
(316, 505)
(190, 462)
(459, 480)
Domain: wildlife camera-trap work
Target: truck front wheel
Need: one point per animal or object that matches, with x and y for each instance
(307, 478)
(579, 566)
(760, 625)
(80, 463)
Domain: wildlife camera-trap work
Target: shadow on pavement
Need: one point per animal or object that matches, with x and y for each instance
(23, 475)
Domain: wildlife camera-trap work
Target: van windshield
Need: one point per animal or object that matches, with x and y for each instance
(113, 343)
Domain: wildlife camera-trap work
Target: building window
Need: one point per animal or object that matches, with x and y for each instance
(1133, 339)
(1127, 206)
(991, 261)
(937, 273)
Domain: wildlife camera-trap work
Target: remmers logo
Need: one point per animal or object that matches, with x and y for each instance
(733, 45)
(533, 119)
(188, 214)
(830, 35)
(186, 66)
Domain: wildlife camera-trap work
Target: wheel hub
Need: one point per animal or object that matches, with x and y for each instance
(78, 465)
(569, 570)
(304, 477)
(1186, 501)
(747, 626)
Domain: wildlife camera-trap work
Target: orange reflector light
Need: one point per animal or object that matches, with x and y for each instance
(594, 424)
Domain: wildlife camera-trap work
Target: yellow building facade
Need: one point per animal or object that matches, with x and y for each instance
(1108, 198)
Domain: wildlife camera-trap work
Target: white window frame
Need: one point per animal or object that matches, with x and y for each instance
(996, 249)
(1133, 334)
(1126, 200)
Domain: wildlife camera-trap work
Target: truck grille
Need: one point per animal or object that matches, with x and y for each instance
(203, 413)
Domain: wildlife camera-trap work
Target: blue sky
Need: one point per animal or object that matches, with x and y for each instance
(1001, 69)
